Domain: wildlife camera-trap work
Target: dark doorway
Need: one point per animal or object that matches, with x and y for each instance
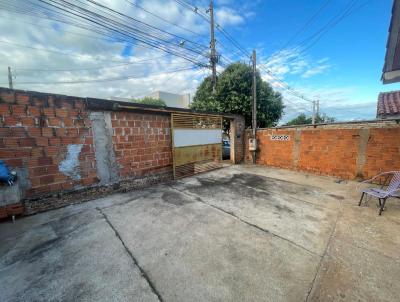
(226, 140)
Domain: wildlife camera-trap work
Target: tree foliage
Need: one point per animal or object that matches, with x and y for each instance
(302, 119)
(150, 101)
(234, 95)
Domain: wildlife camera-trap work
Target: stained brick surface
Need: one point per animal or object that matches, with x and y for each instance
(37, 128)
(332, 151)
(33, 135)
(277, 153)
(10, 210)
(383, 152)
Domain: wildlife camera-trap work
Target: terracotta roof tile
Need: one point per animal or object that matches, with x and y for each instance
(389, 104)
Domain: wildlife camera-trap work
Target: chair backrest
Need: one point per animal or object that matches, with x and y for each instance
(394, 182)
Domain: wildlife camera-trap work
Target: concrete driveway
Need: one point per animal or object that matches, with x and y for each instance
(242, 233)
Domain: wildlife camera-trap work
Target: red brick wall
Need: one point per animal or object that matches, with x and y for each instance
(11, 210)
(383, 151)
(142, 143)
(35, 130)
(332, 150)
(268, 156)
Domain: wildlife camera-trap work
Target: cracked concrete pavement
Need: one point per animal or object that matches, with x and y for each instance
(242, 233)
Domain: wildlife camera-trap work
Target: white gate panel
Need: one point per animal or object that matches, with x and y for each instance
(195, 137)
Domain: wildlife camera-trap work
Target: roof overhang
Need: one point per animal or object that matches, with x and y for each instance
(110, 105)
(391, 69)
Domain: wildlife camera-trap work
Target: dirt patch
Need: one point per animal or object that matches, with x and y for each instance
(282, 208)
(175, 198)
(338, 197)
(250, 185)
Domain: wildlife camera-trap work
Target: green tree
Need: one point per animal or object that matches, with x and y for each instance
(234, 95)
(150, 101)
(302, 119)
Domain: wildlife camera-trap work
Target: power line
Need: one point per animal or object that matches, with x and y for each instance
(213, 55)
(307, 23)
(296, 105)
(248, 55)
(105, 79)
(192, 8)
(56, 52)
(146, 24)
(163, 19)
(91, 68)
(120, 29)
(333, 22)
(227, 36)
(116, 25)
(103, 34)
(337, 17)
(286, 87)
(61, 53)
(317, 36)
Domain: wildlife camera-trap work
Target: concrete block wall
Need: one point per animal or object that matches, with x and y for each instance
(347, 151)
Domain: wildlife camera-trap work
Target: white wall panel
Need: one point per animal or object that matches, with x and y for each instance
(193, 137)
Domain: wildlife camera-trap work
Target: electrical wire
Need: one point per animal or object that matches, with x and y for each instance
(163, 19)
(307, 23)
(89, 68)
(311, 41)
(104, 79)
(119, 29)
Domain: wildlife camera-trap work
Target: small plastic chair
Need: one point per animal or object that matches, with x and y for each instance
(392, 190)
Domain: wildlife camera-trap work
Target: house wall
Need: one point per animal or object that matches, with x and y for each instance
(43, 135)
(347, 151)
(172, 99)
(65, 152)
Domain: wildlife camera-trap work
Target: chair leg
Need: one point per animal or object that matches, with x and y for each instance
(382, 205)
(361, 199)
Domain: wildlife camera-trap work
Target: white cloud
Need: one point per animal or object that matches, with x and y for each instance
(293, 62)
(101, 57)
(339, 102)
(91, 51)
(315, 70)
(226, 16)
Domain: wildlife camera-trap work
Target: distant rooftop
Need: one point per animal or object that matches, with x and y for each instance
(172, 99)
(389, 104)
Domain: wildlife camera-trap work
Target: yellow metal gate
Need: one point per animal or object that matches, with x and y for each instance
(196, 143)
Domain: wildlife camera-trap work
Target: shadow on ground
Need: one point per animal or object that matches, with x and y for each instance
(243, 233)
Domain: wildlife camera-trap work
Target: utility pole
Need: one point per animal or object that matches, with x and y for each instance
(254, 111)
(313, 112)
(317, 108)
(213, 56)
(10, 83)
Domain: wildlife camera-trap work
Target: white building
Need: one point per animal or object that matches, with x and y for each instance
(172, 99)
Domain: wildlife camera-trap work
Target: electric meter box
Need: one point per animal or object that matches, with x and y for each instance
(252, 144)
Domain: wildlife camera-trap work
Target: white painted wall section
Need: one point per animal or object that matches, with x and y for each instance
(70, 165)
(194, 137)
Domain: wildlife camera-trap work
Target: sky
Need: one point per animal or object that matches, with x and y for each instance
(307, 50)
